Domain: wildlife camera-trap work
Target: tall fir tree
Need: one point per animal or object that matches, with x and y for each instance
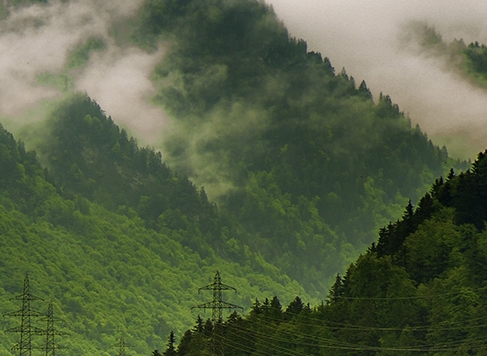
(170, 349)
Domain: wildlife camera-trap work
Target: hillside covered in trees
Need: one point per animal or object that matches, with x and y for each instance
(419, 290)
(109, 268)
(275, 168)
(468, 61)
(301, 155)
(304, 165)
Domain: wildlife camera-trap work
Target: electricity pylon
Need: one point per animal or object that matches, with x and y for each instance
(51, 346)
(217, 304)
(25, 329)
(121, 345)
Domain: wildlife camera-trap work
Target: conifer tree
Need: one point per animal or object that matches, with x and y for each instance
(199, 327)
(294, 308)
(275, 309)
(336, 289)
(184, 346)
(208, 328)
(170, 349)
(256, 308)
(364, 91)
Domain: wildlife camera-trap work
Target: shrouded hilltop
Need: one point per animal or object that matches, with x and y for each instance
(379, 41)
(301, 156)
(275, 168)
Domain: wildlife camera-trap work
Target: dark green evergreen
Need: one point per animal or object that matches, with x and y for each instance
(423, 294)
(170, 349)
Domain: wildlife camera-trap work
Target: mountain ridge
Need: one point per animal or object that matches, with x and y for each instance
(89, 260)
(420, 288)
(277, 138)
(302, 167)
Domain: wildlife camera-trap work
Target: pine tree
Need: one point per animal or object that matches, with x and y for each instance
(336, 289)
(208, 328)
(294, 308)
(199, 327)
(184, 346)
(256, 308)
(275, 309)
(364, 91)
(170, 350)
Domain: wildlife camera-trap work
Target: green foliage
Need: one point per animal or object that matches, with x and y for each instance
(468, 61)
(304, 160)
(61, 82)
(107, 275)
(305, 167)
(424, 294)
(105, 267)
(476, 62)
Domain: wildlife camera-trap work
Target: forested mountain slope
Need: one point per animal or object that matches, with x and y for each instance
(88, 155)
(419, 290)
(109, 274)
(469, 61)
(304, 165)
(301, 156)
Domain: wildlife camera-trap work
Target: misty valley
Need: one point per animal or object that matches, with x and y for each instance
(186, 177)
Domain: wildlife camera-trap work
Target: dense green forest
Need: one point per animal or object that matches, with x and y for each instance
(301, 156)
(275, 169)
(304, 165)
(419, 290)
(112, 271)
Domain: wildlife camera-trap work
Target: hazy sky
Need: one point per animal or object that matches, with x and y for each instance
(365, 38)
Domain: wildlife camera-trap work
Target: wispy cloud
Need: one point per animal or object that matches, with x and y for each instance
(119, 80)
(39, 39)
(365, 38)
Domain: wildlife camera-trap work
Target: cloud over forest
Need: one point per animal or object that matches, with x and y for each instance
(39, 39)
(365, 38)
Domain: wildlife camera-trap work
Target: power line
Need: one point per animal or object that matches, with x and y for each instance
(264, 339)
(121, 345)
(450, 325)
(51, 346)
(25, 329)
(217, 304)
(346, 345)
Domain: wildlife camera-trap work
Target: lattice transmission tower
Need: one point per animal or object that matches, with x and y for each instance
(26, 313)
(121, 345)
(217, 304)
(50, 332)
